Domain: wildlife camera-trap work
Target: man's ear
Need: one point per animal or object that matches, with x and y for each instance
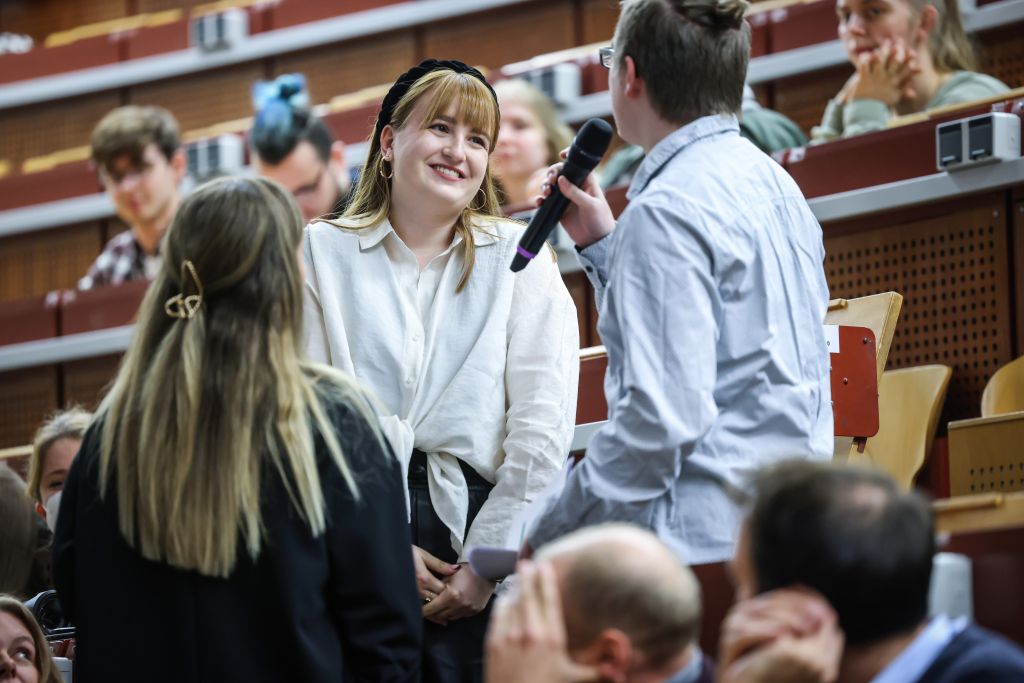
(337, 158)
(611, 654)
(633, 83)
(178, 164)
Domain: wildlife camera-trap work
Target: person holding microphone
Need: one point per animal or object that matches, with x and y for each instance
(710, 289)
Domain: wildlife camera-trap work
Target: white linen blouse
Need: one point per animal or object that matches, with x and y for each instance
(487, 376)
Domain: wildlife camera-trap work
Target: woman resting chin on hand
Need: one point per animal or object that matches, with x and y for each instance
(475, 368)
(909, 56)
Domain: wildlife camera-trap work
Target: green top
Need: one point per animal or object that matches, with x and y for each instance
(865, 115)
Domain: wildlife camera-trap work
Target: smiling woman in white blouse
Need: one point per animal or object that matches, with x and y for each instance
(475, 367)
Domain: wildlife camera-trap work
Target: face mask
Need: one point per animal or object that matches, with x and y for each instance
(52, 508)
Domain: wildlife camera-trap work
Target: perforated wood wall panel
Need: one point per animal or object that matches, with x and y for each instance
(34, 263)
(953, 272)
(803, 98)
(86, 381)
(1002, 54)
(51, 126)
(203, 99)
(340, 69)
(599, 17)
(26, 397)
(497, 38)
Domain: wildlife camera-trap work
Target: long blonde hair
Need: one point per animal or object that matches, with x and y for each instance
(200, 405)
(948, 43)
(371, 200)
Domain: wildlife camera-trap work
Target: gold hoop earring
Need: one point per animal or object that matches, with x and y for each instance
(380, 170)
(483, 200)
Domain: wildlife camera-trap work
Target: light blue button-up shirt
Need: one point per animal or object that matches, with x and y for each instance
(712, 296)
(919, 656)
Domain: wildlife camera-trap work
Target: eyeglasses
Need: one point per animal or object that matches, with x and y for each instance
(605, 54)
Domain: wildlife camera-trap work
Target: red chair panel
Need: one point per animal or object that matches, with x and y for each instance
(67, 180)
(101, 308)
(27, 320)
(802, 25)
(46, 61)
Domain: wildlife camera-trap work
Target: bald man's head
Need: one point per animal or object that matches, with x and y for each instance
(617, 576)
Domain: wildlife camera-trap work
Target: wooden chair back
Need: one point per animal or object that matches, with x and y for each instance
(1004, 392)
(909, 403)
(878, 312)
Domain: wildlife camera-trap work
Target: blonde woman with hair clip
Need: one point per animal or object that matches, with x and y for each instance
(908, 56)
(475, 367)
(234, 513)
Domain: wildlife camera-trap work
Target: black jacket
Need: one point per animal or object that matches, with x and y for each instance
(341, 606)
(977, 656)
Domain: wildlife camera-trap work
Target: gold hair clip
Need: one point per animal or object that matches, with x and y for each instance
(181, 306)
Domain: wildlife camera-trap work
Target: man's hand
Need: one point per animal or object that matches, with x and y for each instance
(428, 568)
(526, 638)
(789, 635)
(464, 595)
(588, 217)
(884, 74)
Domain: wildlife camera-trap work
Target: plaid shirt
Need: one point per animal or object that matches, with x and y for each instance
(122, 260)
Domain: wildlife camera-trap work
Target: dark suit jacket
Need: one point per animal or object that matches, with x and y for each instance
(977, 656)
(343, 605)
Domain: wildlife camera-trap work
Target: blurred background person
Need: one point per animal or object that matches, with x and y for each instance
(476, 368)
(24, 540)
(292, 146)
(234, 513)
(606, 603)
(529, 139)
(909, 56)
(850, 538)
(24, 653)
(53, 448)
(137, 153)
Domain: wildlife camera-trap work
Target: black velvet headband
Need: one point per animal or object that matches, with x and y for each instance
(405, 81)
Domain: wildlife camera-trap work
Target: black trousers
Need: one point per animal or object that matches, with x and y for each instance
(452, 653)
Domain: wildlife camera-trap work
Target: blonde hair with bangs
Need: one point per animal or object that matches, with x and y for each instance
(371, 200)
(200, 405)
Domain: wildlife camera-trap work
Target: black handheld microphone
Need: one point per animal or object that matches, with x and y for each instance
(587, 149)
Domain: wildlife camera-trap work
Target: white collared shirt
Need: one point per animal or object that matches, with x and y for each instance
(487, 376)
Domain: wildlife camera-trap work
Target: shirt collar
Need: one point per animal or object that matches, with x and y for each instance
(675, 142)
(484, 234)
(918, 657)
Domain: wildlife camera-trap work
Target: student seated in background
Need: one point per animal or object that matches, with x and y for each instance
(831, 552)
(24, 540)
(909, 56)
(529, 140)
(140, 163)
(54, 447)
(234, 513)
(607, 603)
(292, 146)
(24, 653)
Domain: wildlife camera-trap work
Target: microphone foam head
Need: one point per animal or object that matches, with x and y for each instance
(591, 143)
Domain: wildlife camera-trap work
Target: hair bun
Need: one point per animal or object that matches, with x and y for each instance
(717, 14)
